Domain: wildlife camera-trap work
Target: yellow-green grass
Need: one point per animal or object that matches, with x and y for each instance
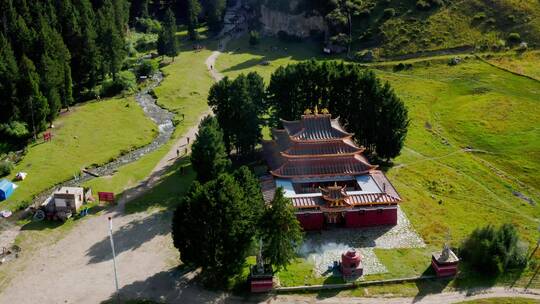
(502, 301)
(93, 133)
(527, 63)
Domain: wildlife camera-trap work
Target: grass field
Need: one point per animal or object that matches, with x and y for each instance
(472, 105)
(82, 137)
(527, 63)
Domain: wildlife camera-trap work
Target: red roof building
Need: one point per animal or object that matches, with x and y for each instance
(327, 177)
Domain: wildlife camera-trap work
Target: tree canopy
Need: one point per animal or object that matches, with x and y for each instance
(53, 53)
(208, 157)
(213, 228)
(238, 105)
(367, 107)
(167, 42)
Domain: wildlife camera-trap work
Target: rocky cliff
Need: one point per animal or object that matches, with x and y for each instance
(300, 25)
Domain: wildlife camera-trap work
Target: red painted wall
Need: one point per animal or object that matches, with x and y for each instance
(311, 221)
(370, 217)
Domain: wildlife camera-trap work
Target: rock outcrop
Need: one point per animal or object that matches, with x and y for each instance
(301, 25)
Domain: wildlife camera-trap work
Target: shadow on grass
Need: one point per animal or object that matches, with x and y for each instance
(329, 293)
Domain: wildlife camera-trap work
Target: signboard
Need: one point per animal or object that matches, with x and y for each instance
(106, 197)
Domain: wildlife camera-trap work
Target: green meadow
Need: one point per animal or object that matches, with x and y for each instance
(92, 133)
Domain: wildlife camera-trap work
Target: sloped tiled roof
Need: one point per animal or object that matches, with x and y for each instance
(371, 198)
(322, 148)
(320, 166)
(384, 184)
(315, 128)
(334, 193)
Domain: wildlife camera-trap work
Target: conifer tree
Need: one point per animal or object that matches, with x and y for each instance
(194, 9)
(208, 155)
(9, 74)
(215, 10)
(34, 107)
(169, 32)
(280, 231)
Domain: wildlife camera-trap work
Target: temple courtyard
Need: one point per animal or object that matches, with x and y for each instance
(324, 247)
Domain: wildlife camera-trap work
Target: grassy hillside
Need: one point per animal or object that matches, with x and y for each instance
(397, 27)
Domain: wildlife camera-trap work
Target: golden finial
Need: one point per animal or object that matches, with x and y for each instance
(315, 111)
(307, 111)
(325, 111)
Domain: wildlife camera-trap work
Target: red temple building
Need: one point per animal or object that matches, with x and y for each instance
(326, 176)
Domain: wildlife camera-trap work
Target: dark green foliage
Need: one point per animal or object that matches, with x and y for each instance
(148, 25)
(238, 105)
(193, 12)
(254, 38)
(214, 14)
(280, 231)
(208, 157)
(213, 228)
(493, 251)
(366, 107)
(124, 82)
(514, 38)
(389, 13)
(167, 43)
(5, 167)
(60, 42)
(146, 68)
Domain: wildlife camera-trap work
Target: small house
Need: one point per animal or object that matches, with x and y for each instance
(70, 198)
(6, 189)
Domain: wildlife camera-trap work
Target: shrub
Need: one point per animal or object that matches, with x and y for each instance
(148, 25)
(144, 44)
(423, 5)
(514, 38)
(493, 251)
(15, 129)
(146, 68)
(254, 38)
(125, 81)
(478, 17)
(5, 167)
(389, 13)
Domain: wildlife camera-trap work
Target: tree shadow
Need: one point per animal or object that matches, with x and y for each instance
(131, 236)
(430, 286)
(178, 285)
(330, 293)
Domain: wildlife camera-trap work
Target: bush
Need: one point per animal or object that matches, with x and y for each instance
(125, 81)
(5, 167)
(389, 13)
(148, 25)
(146, 68)
(514, 38)
(254, 38)
(145, 43)
(479, 17)
(423, 5)
(493, 250)
(15, 129)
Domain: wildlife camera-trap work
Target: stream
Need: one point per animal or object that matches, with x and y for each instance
(161, 117)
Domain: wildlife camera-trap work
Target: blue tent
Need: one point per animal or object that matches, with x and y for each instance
(6, 189)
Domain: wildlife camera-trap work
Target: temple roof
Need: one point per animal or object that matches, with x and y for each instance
(315, 128)
(321, 166)
(300, 149)
(334, 193)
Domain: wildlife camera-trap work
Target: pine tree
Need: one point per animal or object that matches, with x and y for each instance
(34, 108)
(110, 40)
(216, 9)
(9, 74)
(213, 228)
(169, 29)
(280, 231)
(194, 10)
(208, 156)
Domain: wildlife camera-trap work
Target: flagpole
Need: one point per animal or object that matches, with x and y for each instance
(114, 257)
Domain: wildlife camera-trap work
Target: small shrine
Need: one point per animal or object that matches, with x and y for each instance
(445, 263)
(351, 264)
(261, 276)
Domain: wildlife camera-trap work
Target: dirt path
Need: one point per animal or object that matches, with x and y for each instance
(446, 297)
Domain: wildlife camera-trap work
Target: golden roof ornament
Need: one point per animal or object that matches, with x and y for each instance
(307, 111)
(316, 111)
(325, 111)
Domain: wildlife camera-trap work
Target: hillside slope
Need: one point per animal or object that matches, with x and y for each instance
(397, 27)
